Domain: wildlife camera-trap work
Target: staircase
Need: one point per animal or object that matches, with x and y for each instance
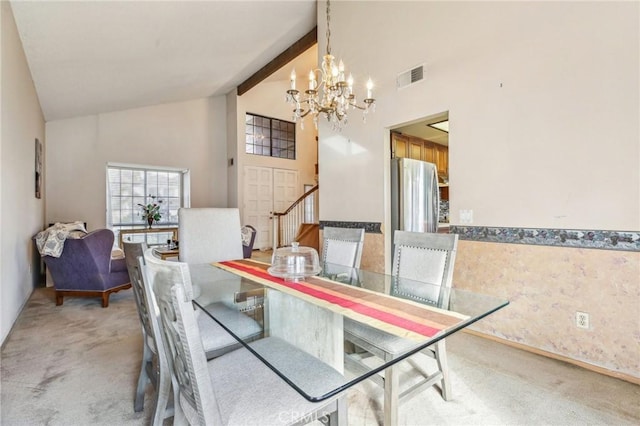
(299, 222)
(309, 235)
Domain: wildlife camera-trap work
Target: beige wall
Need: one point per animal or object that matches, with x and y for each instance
(21, 214)
(232, 148)
(546, 286)
(372, 247)
(543, 100)
(543, 103)
(190, 135)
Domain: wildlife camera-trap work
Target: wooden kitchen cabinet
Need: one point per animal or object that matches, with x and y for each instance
(399, 145)
(404, 146)
(444, 192)
(429, 152)
(415, 148)
(442, 159)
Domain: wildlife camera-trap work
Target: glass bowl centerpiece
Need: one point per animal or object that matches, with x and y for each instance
(294, 263)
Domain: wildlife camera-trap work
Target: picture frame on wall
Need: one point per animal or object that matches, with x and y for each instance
(38, 168)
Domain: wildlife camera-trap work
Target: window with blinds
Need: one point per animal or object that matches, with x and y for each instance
(129, 187)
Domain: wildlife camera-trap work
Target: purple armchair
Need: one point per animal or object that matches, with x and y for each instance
(86, 269)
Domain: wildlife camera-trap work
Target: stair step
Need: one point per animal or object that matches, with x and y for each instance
(309, 235)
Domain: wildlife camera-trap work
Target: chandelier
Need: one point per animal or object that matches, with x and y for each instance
(329, 93)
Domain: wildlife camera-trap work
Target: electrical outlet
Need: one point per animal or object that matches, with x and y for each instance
(582, 320)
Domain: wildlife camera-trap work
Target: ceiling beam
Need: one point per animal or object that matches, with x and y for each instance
(295, 50)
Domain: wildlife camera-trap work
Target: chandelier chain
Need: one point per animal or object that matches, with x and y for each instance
(328, 27)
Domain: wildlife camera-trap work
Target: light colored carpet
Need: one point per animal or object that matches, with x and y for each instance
(77, 364)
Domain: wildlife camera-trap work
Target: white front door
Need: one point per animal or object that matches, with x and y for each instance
(285, 189)
(258, 203)
(267, 190)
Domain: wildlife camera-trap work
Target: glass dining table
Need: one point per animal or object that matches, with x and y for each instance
(310, 314)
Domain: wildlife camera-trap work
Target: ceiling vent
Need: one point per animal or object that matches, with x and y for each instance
(410, 77)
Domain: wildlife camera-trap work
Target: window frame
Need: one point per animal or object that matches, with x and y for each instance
(279, 137)
(138, 222)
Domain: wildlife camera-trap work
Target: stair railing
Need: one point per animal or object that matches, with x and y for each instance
(287, 223)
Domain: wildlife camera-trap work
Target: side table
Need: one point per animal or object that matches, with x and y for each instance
(165, 252)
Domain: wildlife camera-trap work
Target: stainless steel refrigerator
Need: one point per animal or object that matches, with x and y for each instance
(415, 198)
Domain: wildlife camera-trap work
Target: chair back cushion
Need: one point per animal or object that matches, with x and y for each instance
(209, 235)
(424, 257)
(421, 264)
(342, 246)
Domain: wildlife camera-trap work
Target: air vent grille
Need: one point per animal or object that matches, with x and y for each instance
(410, 77)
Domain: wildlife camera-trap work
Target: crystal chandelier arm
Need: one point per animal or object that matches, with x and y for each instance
(367, 105)
(329, 93)
(303, 114)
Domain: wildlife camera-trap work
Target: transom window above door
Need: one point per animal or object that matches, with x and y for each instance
(270, 137)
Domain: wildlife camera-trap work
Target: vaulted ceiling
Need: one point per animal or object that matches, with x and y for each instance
(89, 57)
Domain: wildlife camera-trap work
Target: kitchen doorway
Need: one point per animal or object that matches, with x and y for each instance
(427, 139)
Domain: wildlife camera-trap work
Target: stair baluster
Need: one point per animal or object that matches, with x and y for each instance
(288, 225)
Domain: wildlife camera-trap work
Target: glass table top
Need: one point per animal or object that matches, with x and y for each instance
(312, 314)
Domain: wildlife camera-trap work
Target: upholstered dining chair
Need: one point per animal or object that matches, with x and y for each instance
(418, 257)
(148, 371)
(153, 370)
(155, 367)
(209, 234)
(220, 391)
(341, 253)
(342, 246)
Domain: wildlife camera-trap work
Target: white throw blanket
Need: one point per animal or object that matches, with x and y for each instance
(246, 235)
(50, 242)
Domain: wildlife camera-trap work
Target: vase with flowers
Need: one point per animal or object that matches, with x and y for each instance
(151, 211)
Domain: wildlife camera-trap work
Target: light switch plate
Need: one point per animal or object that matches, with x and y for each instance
(466, 217)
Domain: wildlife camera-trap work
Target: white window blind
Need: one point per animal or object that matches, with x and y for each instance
(129, 186)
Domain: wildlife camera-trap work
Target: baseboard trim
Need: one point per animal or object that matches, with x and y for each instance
(582, 364)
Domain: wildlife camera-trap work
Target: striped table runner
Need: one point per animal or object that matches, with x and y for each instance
(403, 318)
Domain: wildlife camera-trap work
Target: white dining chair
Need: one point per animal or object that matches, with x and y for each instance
(216, 341)
(209, 235)
(418, 257)
(155, 367)
(148, 370)
(236, 388)
(342, 246)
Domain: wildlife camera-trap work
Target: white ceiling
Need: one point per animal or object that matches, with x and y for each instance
(424, 131)
(88, 57)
